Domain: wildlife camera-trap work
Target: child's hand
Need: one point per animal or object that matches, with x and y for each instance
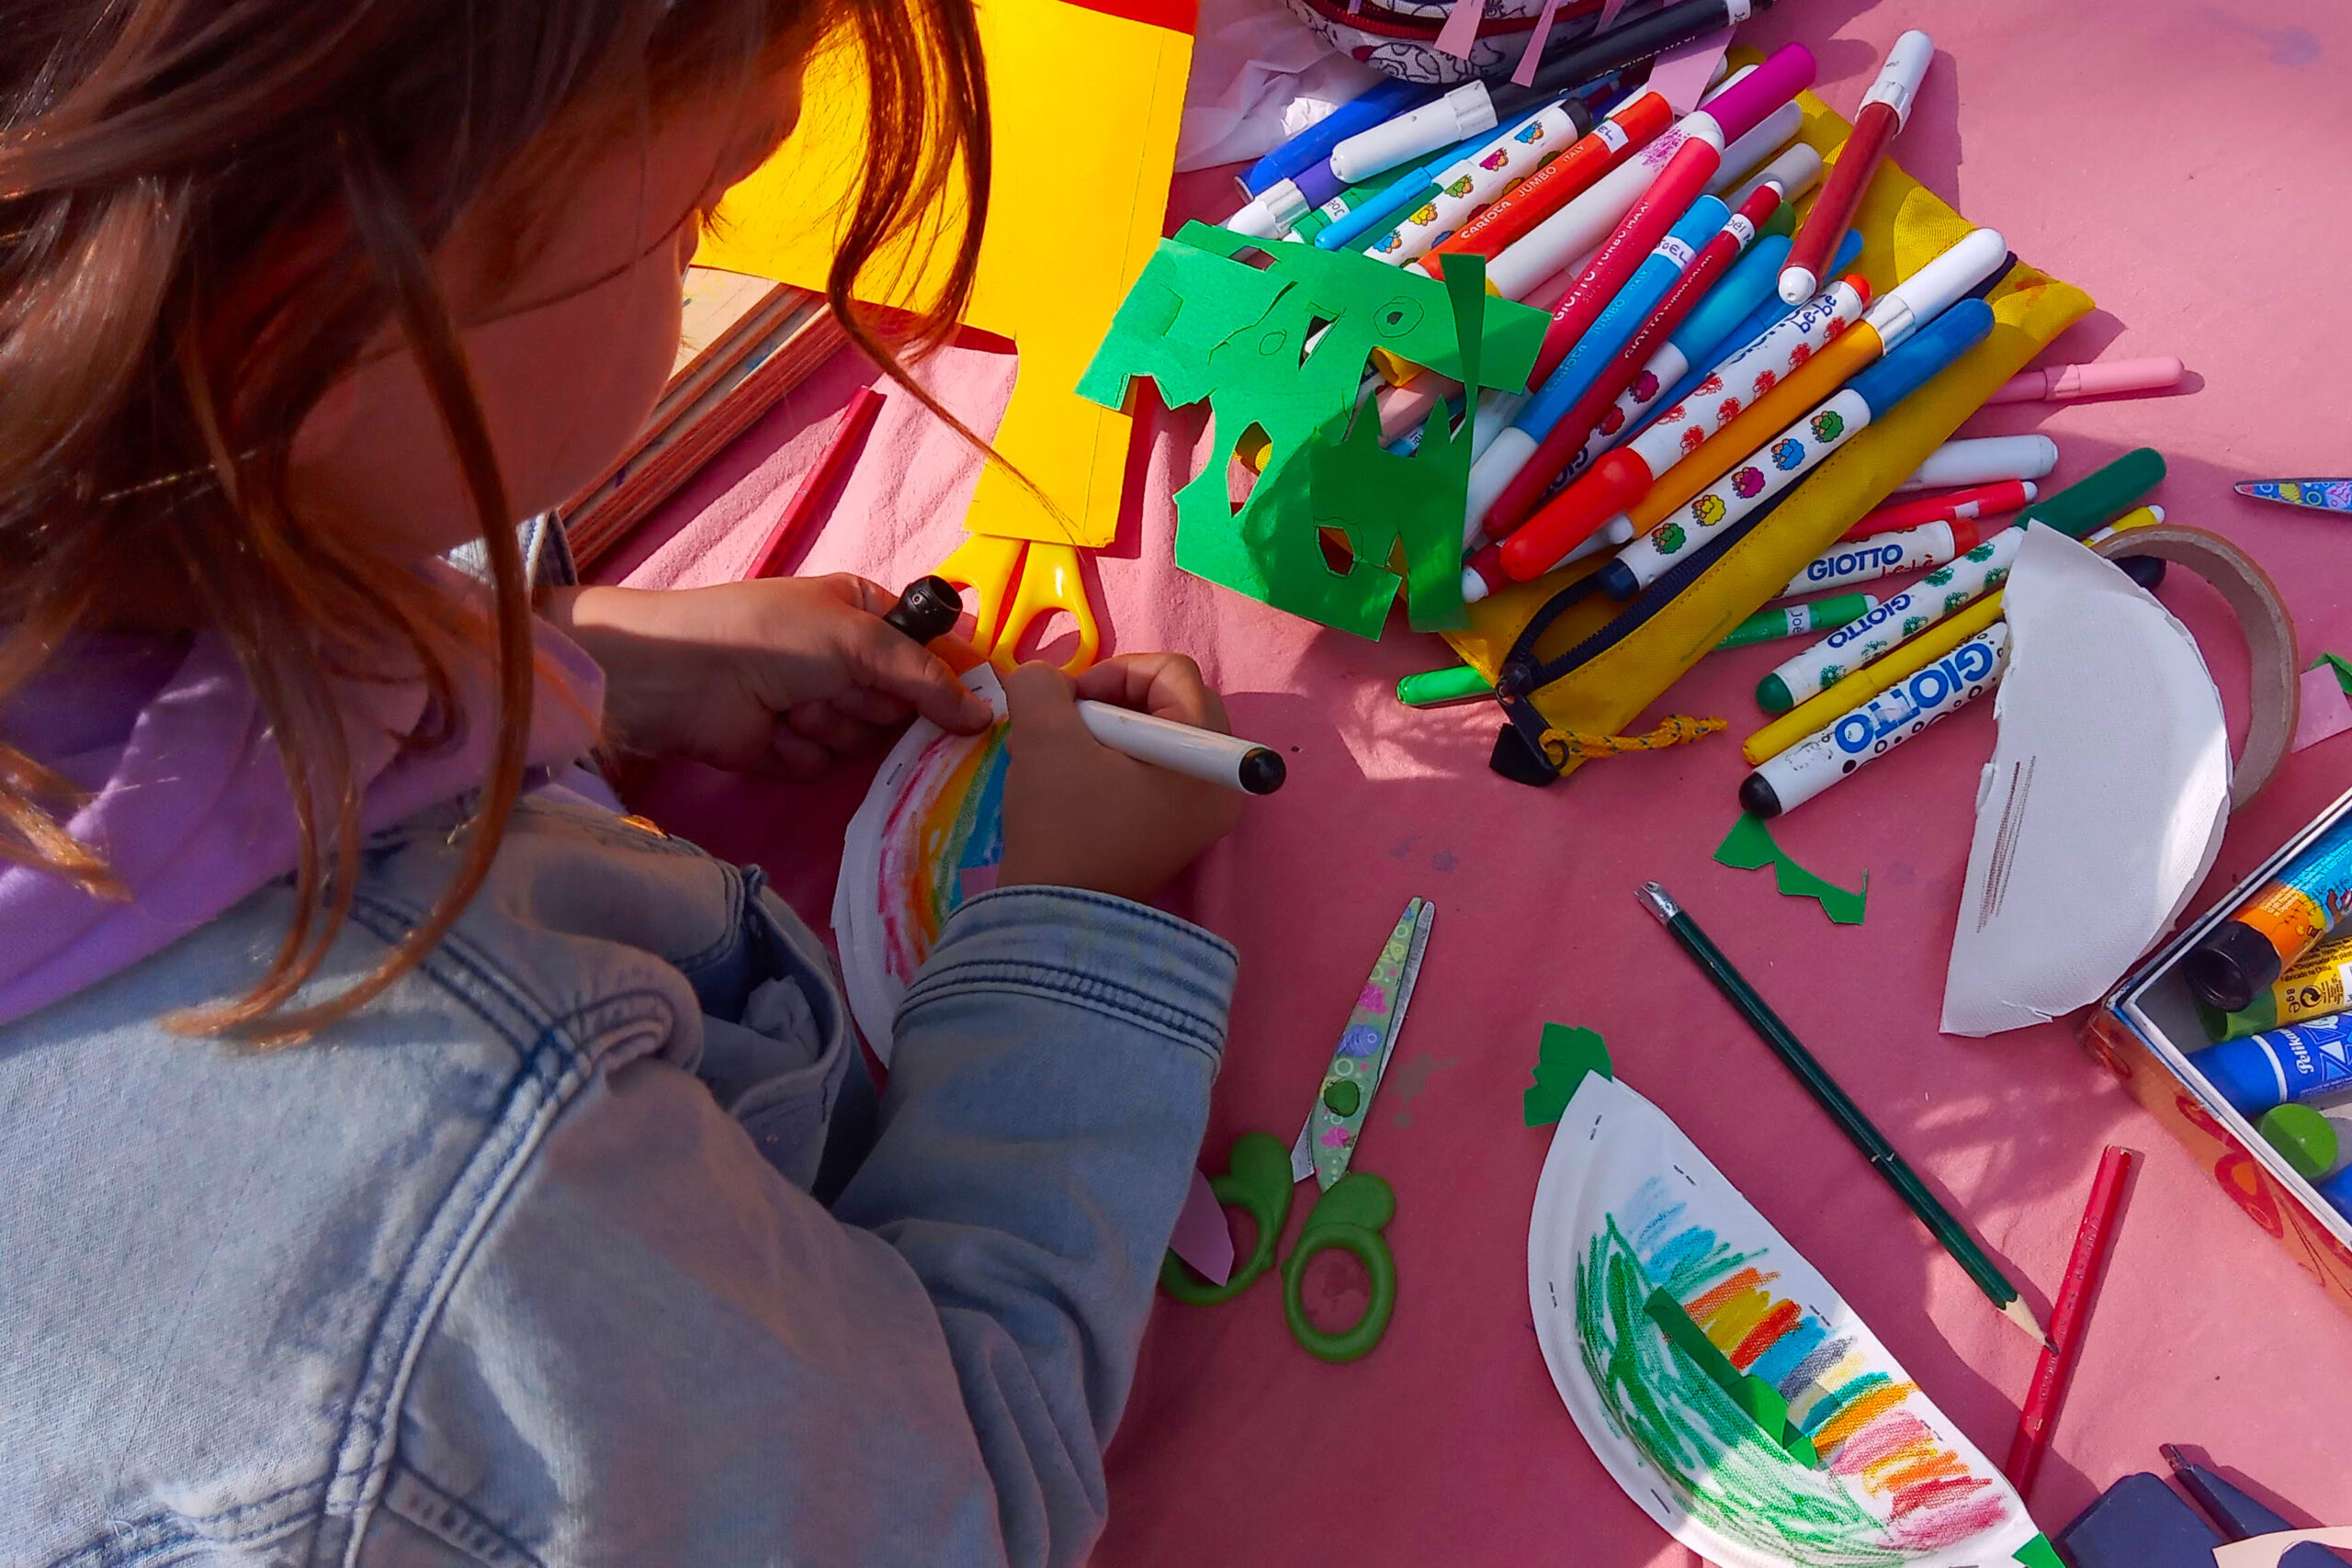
(779, 675)
(1078, 814)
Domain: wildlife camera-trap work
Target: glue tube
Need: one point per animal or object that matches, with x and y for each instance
(2314, 985)
(2245, 956)
(2284, 1066)
(2317, 1145)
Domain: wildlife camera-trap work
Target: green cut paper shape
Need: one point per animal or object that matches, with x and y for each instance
(1563, 1057)
(1760, 1399)
(2038, 1554)
(2341, 665)
(1282, 351)
(1749, 846)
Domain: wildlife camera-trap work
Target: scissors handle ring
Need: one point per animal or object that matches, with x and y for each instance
(1373, 1200)
(1257, 1181)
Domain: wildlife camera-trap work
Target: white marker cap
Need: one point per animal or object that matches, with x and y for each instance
(1463, 112)
(1474, 587)
(1270, 212)
(1758, 144)
(1492, 474)
(1794, 171)
(1926, 293)
(1898, 80)
(1983, 461)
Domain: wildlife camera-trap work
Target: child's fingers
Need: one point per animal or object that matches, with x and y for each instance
(1166, 685)
(881, 658)
(1043, 708)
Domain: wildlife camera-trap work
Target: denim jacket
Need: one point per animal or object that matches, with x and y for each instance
(589, 1242)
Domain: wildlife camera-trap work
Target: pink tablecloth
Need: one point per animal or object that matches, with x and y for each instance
(2182, 161)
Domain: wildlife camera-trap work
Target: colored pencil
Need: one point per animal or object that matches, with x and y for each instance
(2067, 1317)
(1842, 1109)
(817, 486)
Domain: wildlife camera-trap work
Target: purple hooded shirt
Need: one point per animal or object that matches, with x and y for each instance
(187, 803)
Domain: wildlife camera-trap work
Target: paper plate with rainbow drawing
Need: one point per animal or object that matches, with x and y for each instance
(928, 837)
(1628, 1206)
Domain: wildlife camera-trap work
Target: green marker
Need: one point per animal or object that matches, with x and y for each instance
(1436, 688)
(1820, 615)
(2092, 502)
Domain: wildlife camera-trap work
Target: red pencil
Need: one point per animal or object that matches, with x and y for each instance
(2067, 1318)
(817, 486)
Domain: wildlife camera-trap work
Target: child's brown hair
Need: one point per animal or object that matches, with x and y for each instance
(152, 153)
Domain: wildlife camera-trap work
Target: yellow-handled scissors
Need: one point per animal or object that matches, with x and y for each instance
(1018, 584)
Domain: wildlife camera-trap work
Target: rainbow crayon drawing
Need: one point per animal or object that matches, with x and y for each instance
(927, 837)
(1628, 1206)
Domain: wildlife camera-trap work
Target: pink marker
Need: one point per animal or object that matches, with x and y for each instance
(2060, 382)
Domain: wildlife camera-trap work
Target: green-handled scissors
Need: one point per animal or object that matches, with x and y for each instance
(1354, 1208)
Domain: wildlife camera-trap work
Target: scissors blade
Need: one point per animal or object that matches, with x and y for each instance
(1327, 1142)
(2317, 496)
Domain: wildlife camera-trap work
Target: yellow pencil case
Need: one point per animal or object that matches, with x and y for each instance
(1625, 661)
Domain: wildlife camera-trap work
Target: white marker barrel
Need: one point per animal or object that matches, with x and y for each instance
(1939, 593)
(1882, 555)
(1878, 726)
(1983, 461)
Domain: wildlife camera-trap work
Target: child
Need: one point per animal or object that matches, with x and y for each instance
(409, 1162)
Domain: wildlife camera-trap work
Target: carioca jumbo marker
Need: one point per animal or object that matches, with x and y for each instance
(1780, 390)
(1798, 449)
(2243, 955)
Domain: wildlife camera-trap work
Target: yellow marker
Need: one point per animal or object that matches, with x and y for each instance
(1869, 681)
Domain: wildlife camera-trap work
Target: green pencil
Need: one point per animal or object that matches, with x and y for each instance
(1842, 1109)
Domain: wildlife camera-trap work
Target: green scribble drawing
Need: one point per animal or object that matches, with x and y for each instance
(1708, 1452)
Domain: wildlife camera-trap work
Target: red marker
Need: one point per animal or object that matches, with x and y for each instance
(817, 488)
(1554, 454)
(1952, 506)
(2057, 1363)
(1884, 109)
(1628, 129)
(1680, 183)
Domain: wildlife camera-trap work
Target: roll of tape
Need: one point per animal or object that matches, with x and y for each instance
(2274, 664)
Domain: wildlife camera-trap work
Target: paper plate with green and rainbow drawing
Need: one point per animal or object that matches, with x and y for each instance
(927, 836)
(1628, 1205)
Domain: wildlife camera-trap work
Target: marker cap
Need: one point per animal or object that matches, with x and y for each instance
(1608, 488)
(1937, 286)
(1898, 80)
(1772, 696)
(1983, 459)
(1756, 797)
(1271, 213)
(1465, 111)
(1387, 98)
(1431, 687)
(1930, 351)
(1794, 171)
(2100, 497)
(2304, 1139)
(1743, 105)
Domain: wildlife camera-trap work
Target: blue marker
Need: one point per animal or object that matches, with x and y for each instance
(1758, 321)
(1390, 99)
(1611, 330)
(1376, 217)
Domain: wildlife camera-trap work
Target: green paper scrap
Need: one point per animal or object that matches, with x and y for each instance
(1563, 1057)
(2341, 665)
(1749, 846)
(1760, 1401)
(1282, 351)
(2038, 1554)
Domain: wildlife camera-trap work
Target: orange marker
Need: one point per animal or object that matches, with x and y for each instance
(1543, 193)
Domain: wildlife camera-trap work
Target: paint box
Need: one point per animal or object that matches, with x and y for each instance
(2143, 1033)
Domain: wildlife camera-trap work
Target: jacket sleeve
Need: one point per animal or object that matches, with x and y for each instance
(661, 1351)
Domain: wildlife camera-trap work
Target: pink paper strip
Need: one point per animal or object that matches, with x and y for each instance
(1681, 72)
(2322, 712)
(1525, 75)
(1203, 1239)
(1461, 29)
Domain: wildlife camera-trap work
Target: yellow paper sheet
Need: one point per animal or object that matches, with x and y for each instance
(1084, 109)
